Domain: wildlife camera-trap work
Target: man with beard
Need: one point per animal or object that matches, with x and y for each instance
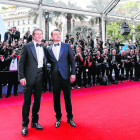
(61, 58)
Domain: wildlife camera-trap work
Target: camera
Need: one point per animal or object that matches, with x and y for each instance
(8, 47)
(77, 34)
(86, 54)
(94, 53)
(51, 40)
(17, 51)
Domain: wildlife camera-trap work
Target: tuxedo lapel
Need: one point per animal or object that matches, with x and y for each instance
(32, 47)
(61, 50)
(51, 52)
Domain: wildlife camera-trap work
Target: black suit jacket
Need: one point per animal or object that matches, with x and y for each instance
(28, 39)
(28, 63)
(6, 37)
(16, 36)
(62, 66)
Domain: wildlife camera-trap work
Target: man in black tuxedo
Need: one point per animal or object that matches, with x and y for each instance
(61, 58)
(31, 63)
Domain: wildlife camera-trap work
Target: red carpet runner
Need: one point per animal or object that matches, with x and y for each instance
(101, 113)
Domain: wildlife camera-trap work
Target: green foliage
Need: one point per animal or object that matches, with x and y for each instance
(137, 31)
(127, 9)
(113, 31)
(4, 8)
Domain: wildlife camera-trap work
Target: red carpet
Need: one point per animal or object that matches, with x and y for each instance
(101, 113)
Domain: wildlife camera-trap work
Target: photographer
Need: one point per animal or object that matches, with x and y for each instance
(14, 45)
(131, 58)
(15, 34)
(122, 62)
(12, 64)
(93, 68)
(8, 36)
(71, 39)
(99, 67)
(79, 62)
(20, 43)
(137, 63)
(116, 45)
(81, 41)
(77, 35)
(97, 48)
(28, 37)
(90, 42)
(100, 42)
(108, 45)
(87, 65)
(73, 50)
(114, 59)
(106, 66)
(67, 38)
(6, 50)
(138, 43)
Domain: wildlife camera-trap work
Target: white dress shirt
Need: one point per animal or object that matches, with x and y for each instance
(56, 50)
(40, 55)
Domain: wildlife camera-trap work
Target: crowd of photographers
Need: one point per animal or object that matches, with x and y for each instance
(103, 65)
(95, 64)
(9, 55)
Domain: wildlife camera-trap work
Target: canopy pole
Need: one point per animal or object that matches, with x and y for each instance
(103, 28)
(40, 16)
(134, 28)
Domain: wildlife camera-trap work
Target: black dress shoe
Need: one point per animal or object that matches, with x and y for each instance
(7, 96)
(24, 131)
(71, 122)
(50, 91)
(86, 86)
(36, 126)
(89, 85)
(15, 94)
(57, 123)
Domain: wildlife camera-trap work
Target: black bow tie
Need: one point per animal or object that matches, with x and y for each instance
(38, 45)
(56, 45)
